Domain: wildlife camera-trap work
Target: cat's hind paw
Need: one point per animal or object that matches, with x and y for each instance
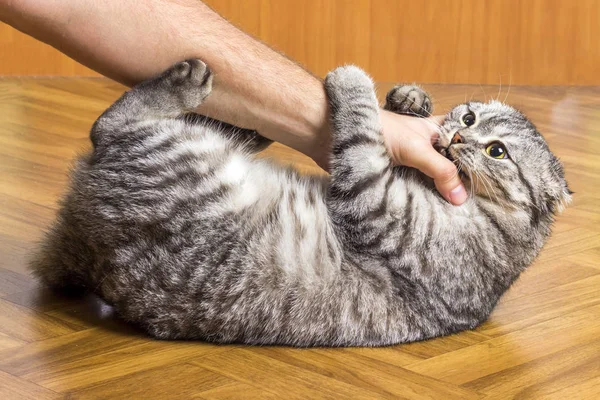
(189, 82)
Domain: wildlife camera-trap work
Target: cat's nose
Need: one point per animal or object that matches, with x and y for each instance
(457, 139)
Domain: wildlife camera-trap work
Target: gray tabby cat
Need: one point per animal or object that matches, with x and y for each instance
(172, 221)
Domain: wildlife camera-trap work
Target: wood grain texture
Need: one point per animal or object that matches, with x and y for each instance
(534, 42)
(542, 341)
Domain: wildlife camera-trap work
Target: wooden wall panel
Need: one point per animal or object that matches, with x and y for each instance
(448, 41)
(525, 42)
(296, 28)
(245, 14)
(23, 55)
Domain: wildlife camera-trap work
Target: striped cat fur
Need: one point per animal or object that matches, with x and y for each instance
(171, 220)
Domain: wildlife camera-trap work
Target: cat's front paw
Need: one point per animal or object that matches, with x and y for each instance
(409, 100)
(190, 81)
(348, 77)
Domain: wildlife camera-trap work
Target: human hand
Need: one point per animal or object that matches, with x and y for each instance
(410, 142)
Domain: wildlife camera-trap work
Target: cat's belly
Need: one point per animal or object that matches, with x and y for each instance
(289, 223)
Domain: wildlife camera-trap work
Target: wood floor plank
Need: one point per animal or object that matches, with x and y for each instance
(542, 276)
(567, 243)
(13, 388)
(81, 373)
(35, 358)
(541, 341)
(12, 282)
(446, 344)
(27, 214)
(42, 299)
(582, 390)
(519, 313)
(237, 390)
(7, 342)
(17, 184)
(364, 372)
(539, 378)
(249, 366)
(287, 156)
(589, 258)
(17, 253)
(394, 355)
(179, 381)
(27, 325)
(516, 348)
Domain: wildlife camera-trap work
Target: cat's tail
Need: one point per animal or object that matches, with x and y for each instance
(62, 258)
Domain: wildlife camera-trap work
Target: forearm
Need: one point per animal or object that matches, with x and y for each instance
(255, 87)
(259, 88)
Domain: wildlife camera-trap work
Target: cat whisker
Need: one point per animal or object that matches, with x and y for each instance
(488, 187)
(426, 119)
(480, 180)
(486, 183)
(464, 161)
(460, 168)
(472, 94)
(422, 108)
(509, 85)
(484, 93)
(456, 173)
(438, 126)
(500, 88)
(472, 189)
(469, 172)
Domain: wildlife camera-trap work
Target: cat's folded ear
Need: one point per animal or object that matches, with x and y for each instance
(558, 194)
(563, 200)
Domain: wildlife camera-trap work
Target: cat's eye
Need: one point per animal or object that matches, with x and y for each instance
(496, 150)
(469, 118)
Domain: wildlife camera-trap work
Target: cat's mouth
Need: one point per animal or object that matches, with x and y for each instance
(445, 151)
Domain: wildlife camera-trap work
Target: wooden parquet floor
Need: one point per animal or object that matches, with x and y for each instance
(542, 341)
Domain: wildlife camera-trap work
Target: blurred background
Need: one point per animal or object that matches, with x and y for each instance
(521, 42)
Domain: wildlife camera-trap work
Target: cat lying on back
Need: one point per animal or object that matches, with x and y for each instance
(172, 221)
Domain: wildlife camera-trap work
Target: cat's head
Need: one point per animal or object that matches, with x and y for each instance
(503, 157)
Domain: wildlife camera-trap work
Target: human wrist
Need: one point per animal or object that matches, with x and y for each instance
(302, 123)
(319, 130)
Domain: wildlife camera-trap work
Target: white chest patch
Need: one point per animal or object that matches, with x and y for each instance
(234, 171)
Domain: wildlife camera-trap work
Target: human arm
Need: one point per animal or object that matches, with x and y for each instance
(254, 86)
